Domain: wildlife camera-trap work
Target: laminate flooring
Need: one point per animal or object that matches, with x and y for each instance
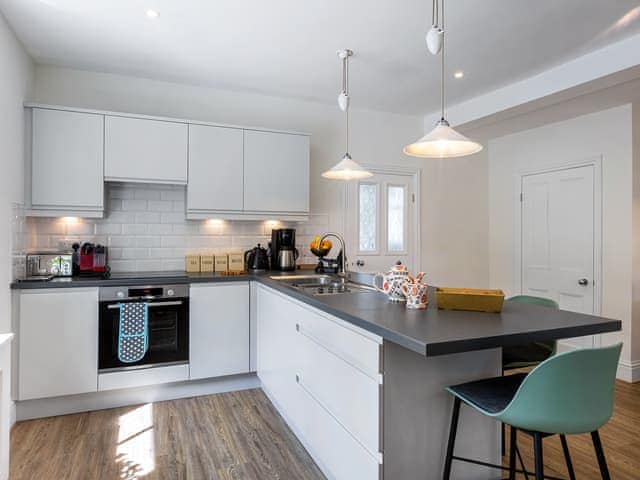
(240, 436)
(236, 435)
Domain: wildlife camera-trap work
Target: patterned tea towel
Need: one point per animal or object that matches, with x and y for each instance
(133, 335)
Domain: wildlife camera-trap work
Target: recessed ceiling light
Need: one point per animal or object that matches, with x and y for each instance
(459, 74)
(152, 14)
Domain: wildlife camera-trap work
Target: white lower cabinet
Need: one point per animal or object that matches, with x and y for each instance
(57, 342)
(218, 330)
(324, 376)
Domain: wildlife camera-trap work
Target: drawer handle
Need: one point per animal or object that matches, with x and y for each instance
(297, 327)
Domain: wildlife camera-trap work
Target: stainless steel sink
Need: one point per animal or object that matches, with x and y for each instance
(321, 284)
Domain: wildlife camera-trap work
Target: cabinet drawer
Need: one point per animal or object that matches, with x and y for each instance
(349, 395)
(356, 347)
(332, 446)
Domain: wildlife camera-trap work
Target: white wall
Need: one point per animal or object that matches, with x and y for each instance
(376, 139)
(15, 83)
(606, 133)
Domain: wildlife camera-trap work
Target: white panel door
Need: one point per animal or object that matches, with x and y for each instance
(215, 169)
(558, 239)
(58, 343)
(218, 330)
(146, 151)
(381, 223)
(67, 160)
(276, 172)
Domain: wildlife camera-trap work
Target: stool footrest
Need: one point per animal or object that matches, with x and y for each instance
(499, 467)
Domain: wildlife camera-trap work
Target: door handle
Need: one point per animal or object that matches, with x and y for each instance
(360, 263)
(150, 305)
(583, 282)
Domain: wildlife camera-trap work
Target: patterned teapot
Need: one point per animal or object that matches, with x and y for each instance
(392, 282)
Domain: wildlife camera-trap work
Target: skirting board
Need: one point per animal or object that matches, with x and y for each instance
(629, 371)
(47, 407)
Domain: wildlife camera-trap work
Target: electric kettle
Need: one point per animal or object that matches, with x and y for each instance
(256, 259)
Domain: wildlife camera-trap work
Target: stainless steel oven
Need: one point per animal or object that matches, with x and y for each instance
(168, 325)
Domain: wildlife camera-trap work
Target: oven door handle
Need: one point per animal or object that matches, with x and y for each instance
(150, 305)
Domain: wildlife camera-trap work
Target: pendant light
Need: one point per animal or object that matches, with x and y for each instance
(346, 169)
(443, 141)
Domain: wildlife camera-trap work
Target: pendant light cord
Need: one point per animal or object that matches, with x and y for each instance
(442, 64)
(345, 89)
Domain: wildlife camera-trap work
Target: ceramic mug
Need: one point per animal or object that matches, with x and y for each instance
(416, 295)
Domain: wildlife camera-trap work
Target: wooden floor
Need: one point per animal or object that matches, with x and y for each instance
(227, 436)
(620, 439)
(240, 436)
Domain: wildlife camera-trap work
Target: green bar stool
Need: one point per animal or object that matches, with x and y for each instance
(570, 393)
(531, 354)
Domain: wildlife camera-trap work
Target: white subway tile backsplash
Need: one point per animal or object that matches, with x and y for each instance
(148, 217)
(159, 229)
(146, 229)
(134, 205)
(148, 242)
(185, 229)
(108, 229)
(172, 217)
(173, 241)
(135, 253)
(134, 229)
(179, 194)
(160, 206)
(146, 193)
(117, 241)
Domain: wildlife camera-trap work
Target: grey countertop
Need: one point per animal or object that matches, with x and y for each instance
(428, 332)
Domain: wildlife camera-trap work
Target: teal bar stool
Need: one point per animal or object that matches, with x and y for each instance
(531, 354)
(570, 393)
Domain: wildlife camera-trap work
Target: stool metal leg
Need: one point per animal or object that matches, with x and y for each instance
(446, 475)
(537, 447)
(567, 457)
(602, 461)
(513, 446)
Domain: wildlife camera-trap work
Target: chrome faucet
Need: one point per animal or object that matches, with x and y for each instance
(343, 263)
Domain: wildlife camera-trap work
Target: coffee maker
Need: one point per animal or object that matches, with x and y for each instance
(283, 249)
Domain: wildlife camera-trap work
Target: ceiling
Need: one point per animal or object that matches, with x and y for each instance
(287, 47)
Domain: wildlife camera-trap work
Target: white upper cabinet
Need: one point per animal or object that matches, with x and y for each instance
(215, 170)
(67, 163)
(145, 151)
(276, 173)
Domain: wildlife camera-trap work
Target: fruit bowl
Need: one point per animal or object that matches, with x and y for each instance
(320, 249)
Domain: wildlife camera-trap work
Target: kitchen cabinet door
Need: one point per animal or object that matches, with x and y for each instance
(215, 170)
(145, 151)
(57, 342)
(218, 330)
(67, 161)
(276, 172)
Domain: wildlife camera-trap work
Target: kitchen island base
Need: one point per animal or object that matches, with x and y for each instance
(417, 415)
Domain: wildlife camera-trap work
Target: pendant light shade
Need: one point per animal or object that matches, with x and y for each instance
(442, 142)
(346, 169)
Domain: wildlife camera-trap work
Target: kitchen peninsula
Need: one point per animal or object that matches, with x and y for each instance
(360, 380)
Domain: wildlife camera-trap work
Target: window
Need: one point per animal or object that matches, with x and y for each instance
(395, 218)
(368, 213)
